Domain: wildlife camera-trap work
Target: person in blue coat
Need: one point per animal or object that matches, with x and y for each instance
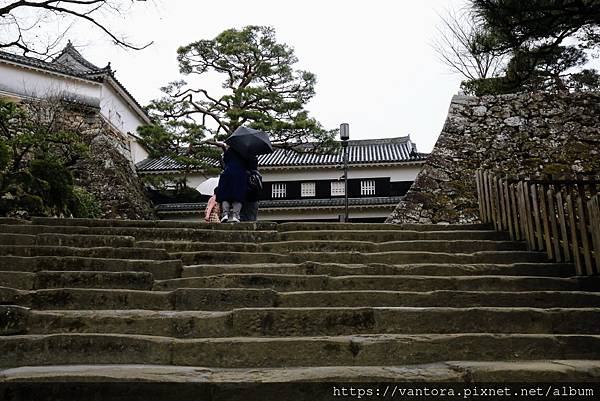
(233, 185)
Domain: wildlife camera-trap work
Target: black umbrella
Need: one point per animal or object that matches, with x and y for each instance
(250, 142)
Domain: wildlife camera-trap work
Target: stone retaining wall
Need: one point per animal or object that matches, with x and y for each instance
(529, 134)
(107, 171)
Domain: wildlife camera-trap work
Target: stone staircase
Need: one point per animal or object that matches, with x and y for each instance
(159, 301)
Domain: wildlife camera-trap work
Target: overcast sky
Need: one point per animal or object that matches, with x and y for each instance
(375, 66)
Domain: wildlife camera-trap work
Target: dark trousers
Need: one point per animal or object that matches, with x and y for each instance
(249, 211)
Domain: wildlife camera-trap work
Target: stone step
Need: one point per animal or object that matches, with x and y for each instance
(140, 233)
(225, 299)
(260, 225)
(240, 352)
(390, 235)
(78, 241)
(77, 279)
(49, 221)
(302, 322)
(160, 269)
(99, 252)
(12, 220)
(448, 246)
(401, 257)
(310, 226)
(337, 269)
(171, 382)
(288, 282)
(102, 299)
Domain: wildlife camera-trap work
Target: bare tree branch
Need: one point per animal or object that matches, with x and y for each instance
(56, 11)
(457, 46)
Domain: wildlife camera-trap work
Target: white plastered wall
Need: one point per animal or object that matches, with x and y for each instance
(118, 111)
(396, 173)
(138, 153)
(25, 82)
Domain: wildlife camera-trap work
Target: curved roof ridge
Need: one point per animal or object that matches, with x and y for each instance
(380, 141)
(74, 53)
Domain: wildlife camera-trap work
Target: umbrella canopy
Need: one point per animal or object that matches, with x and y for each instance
(208, 187)
(250, 142)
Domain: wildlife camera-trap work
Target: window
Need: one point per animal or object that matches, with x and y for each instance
(278, 191)
(337, 188)
(307, 189)
(367, 187)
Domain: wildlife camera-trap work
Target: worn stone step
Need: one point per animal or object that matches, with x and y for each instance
(17, 239)
(49, 221)
(77, 279)
(310, 321)
(102, 299)
(224, 299)
(98, 252)
(401, 257)
(78, 241)
(17, 280)
(288, 282)
(338, 269)
(310, 226)
(140, 233)
(160, 269)
(245, 352)
(12, 220)
(171, 382)
(448, 246)
(390, 235)
(440, 298)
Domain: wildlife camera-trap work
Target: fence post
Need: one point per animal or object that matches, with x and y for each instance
(515, 210)
(547, 235)
(508, 209)
(488, 202)
(563, 226)
(539, 235)
(554, 224)
(585, 244)
(478, 182)
(574, 240)
(497, 203)
(594, 212)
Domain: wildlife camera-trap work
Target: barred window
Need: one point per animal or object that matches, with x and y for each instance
(337, 188)
(367, 187)
(307, 189)
(278, 190)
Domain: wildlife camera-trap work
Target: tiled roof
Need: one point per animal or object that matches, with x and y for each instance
(369, 151)
(69, 57)
(289, 204)
(165, 163)
(387, 150)
(44, 65)
(82, 68)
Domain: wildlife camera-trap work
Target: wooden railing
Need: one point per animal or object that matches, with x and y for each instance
(561, 217)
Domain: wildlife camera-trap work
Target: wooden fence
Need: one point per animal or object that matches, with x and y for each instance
(560, 217)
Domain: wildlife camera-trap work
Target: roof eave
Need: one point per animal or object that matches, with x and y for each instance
(49, 71)
(360, 165)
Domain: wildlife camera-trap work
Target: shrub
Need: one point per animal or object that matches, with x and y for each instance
(85, 204)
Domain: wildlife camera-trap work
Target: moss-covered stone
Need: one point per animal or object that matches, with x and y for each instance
(525, 135)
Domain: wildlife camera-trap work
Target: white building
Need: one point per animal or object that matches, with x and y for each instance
(309, 187)
(70, 76)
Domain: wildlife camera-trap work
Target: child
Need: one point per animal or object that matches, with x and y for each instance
(213, 211)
